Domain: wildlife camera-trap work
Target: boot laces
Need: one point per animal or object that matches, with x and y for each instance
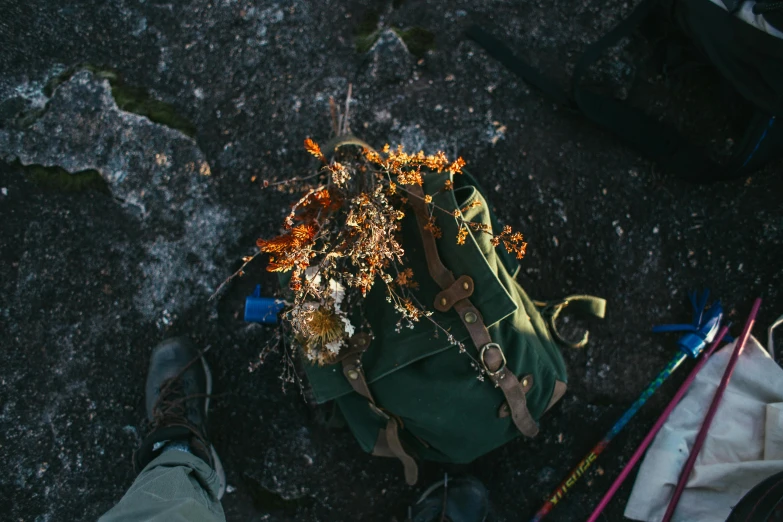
(172, 405)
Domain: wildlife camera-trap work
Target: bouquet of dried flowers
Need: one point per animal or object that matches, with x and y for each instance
(342, 237)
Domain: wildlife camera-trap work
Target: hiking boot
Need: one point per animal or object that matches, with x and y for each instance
(178, 389)
(463, 499)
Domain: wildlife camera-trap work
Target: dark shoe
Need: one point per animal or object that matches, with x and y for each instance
(463, 499)
(179, 384)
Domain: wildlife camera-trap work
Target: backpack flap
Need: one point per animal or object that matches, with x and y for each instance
(448, 410)
(414, 388)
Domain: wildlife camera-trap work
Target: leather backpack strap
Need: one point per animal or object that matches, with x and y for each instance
(585, 305)
(491, 354)
(388, 443)
(344, 139)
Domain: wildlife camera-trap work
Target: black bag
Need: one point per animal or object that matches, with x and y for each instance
(763, 503)
(742, 39)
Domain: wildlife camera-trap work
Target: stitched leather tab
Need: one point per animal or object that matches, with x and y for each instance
(357, 345)
(352, 369)
(459, 289)
(526, 383)
(515, 398)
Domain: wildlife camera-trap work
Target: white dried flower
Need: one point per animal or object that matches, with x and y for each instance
(312, 275)
(349, 328)
(337, 292)
(334, 346)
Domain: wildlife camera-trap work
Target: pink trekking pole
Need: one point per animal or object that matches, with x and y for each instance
(658, 425)
(686, 470)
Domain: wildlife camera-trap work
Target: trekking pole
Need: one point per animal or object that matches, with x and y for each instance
(702, 331)
(658, 425)
(724, 382)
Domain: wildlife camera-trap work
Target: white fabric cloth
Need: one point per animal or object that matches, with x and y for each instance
(743, 447)
(746, 14)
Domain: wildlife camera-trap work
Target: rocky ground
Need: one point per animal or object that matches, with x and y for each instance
(134, 139)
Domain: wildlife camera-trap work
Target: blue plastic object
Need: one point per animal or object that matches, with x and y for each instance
(263, 310)
(706, 322)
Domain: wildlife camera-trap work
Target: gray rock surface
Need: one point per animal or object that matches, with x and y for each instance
(391, 60)
(89, 282)
(159, 175)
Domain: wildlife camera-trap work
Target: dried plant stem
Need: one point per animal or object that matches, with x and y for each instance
(291, 180)
(335, 116)
(239, 272)
(346, 127)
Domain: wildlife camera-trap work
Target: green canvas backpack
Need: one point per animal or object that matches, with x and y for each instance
(414, 393)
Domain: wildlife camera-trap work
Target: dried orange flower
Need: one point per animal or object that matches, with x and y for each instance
(456, 167)
(432, 227)
(437, 162)
(340, 175)
(373, 157)
(427, 198)
(448, 185)
(462, 235)
(513, 242)
(411, 177)
(472, 204)
(479, 227)
(405, 278)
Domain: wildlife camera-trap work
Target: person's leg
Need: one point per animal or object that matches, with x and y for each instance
(182, 478)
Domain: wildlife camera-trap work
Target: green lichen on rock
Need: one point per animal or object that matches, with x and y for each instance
(417, 39)
(366, 32)
(66, 75)
(139, 101)
(129, 98)
(60, 180)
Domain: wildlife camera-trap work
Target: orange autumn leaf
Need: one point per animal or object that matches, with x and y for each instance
(313, 148)
(282, 266)
(299, 236)
(303, 234)
(323, 198)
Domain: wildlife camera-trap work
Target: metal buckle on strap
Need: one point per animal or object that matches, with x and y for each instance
(482, 356)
